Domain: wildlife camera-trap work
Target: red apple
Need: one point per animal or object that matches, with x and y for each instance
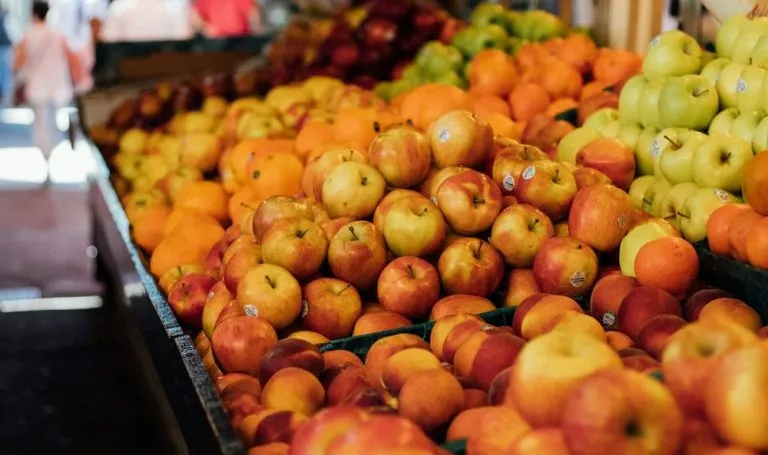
(606, 298)
(586, 176)
(565, 266)
(600, 216)
(297, 245)
(470, 202)
(521, 284)
(612, 158)
(331, 307)
(414, 227)
(380, 214)
(518, 233)
(402, 155)
(548, 185)
(696, 302)
(358, 254)
(240, 343)
(460, 138)
(188, 296)
(470, 266)
(271, 293)
(409, 286)
(275, 208)
(641, 305)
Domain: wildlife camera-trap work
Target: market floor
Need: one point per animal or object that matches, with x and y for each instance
(65, 384)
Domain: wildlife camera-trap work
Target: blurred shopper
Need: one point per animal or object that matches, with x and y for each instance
(221, 18)
(6, 58)
(147, 20)
(71, 18)
(50, 72)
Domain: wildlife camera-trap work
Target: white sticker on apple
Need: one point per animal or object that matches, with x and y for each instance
(443, 135)
(655, 41)
(433, 199)
(529, 172)
(609, 319)
(578, 279)
(741, 85)
(251, 311)
(721, 194)
(486, 327)
(508, 183)
(655, 148)
(623, 221)
(304, 309)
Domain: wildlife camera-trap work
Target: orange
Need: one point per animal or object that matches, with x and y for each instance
(179, 216)
(242, 201)
(275, 174)
(135, 204)
(757, 244)
(578, 51)
(492, 72)
(613, 66)
(443, 99)
(204, 196)
(485, 105)
(738, 230)
(504, 126)
(717, 227)
(247, 149)
(414, 100)
(147, 230)
(175, 252)
(668, 263)
(308, 180)
(387, 118)
(312, 134)
(355, 126)
(532, 56)
(227, 173)
(528, 100)
(318, 151)
(592, 88)
(200, 230)
(561, 105)
(561, 80)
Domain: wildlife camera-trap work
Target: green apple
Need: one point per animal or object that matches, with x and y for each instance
(687, 102)
(723, 121)
(644, 151)
(728, 34)
(638, 188)
(601, 118)
(749, 90)
(514, 44)
(759, 55)
(649, 103)
(673, 201)
(645, 232)
(513, 21)
(672, 53)
(749, 34)
(696, 210)
(629, 99)
(413, 73)
(728, 85)
(572, 142)
(465, 41)
(401, 86)
(383, 90)
(719, 162)
(744, 126)
(668, 139)
(676, 160)
(489, 13)
(629, 134)
(539, 25)
(711, 70)
(654, 195)
(707, 57)
(760, 138)
(489, 37)
(451, 78)
(611, 129)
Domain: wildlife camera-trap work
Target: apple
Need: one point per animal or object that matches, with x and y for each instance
(729, 34)
(611, 129)
(749, 34)
(688, 102)
(753, 185)
(643, 417)
(629, 134)
(296, 244)
(630, 97)
(565, 266)
(572, 142)
(693, 215)
(402, 155)
(638, 188)
(723, 121)
(649, 103)
(275, 208)
(719, 162)
(519, 232)
(188, 296)
(470, 202)
(357, 254)
(470, 266)
(728, 84)
(409, 286)
(712, 70)
(380, 214)
(654, 195)
(460, 138)
(673, 201)
(760, 136)
(601, 118)
(353, 189)
(750, 89)
(597, 104)
(507, 167)
(271, 293)
(612, 158)
(600, 216)
(547, 185)
(644, 151)
(586, 176)
(327, 162)
(637, 237)
(675, 162)
(240, 343)
(330, 307)
(672, 53)
(414, 227)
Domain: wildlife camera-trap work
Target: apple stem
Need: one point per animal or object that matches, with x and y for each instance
(345, 288)
(476, 253)
(724, 157)
(703, 92)
(680, 214)
(409, 122)
(364, 181)
(376, 127)
(354, 234)
(270, 281)
(533, 224)
(674, 144)
(243, 204)
(410, 270)
(301, 233)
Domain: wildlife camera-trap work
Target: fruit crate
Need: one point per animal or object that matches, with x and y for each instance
(744, 281)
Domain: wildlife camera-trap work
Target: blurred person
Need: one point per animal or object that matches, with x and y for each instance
(221, 18)
(7, 39)
(147, 20)
(51, 71)
(72, 19)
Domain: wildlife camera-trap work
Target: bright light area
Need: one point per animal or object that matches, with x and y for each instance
(17, 116)
(54, 303)
(22, 165)
(26, 165)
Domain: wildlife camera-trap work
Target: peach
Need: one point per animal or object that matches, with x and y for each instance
(475, 398)
(241, 261)
(379, 322)
(371, 399)
(309, 336)
(498, 391)
(497, 432)
(291, 352)
(460, 334)
(240, 343)
(733, 310)
(274, 448)
(340, 357)
(638, 361)
(693, 305)
(442, 328)
(522, 310)
(641, 305)
(269, 426)
(618, 340)
(218, 297)
(466, 423)
(698, 437)
(341, 381)
(607, 296)
(380, 352)
(317, 435)
(403, 365)
(231, 378)
(460, 303)
(202, 344)
(250, 386)
(763, 332)
(431, 398)
(732, 450)
(372, 308)
(383, 434)
(293, 389)
(520, 286)
(655, 333)
(543, 441)
(485, 354)
(535, 314)
(241, 405)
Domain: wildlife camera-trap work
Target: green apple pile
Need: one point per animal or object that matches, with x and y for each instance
(694, 120)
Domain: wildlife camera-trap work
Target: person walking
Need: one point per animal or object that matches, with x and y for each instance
(50, 72)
